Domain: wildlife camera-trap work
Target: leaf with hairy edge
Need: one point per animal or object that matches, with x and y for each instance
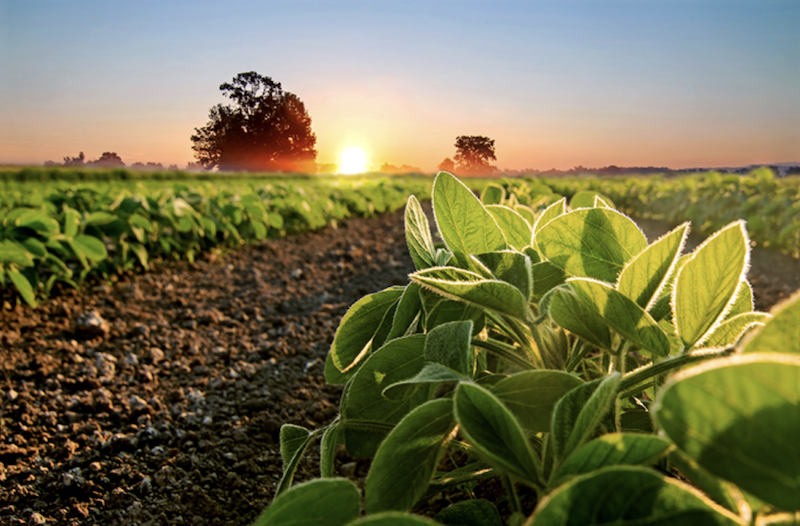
(645, 275)
(782, 332)
(464, 224)
(418, 235)
(622, 314)
(739, 418)
(394, 518)
(528, 215)
(514, 226)
(546, 277)
(729, 331)
(446, 311)
(327, 450)
(614, 449)
(578, 317)
(587, 199)
(449, 344)
(357, 328)
(548, 214)
(507, 265)
(400, 359)
(407, 458)
(743, 302)
(321, 502)
(591, 242)
(474, 512)
(294, 440)
(577, 414)
(469, 287)
(408, 309)
(494, 432)
(431, 373)
(493, 194)
(629, 496)
(706, 285)
(532, 395)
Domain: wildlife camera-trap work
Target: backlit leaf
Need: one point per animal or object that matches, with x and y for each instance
(516, 229)
(418, 235)
(782, 332)
(729, 331)
(579, 317)
(321, 502)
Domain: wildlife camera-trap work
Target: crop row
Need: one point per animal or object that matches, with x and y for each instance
(771, 206)
(72, 234)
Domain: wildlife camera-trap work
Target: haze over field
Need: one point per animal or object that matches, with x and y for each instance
(555, 83)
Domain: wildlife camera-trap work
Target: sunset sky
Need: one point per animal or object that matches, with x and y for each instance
(555, 83)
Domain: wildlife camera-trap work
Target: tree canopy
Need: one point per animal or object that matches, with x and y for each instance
(265, 128)
(473, 153)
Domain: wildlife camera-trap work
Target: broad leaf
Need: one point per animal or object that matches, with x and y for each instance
(579, 317)
(357, 328)
(493, 194)
(546, 277)
(782, 333)
(743, 302)
(321, 502)
(471, 288)
(614, 449)
(509, 266)
(739, 418)
(418, 235)
(327, 450)
(516, 229)
(645, 275)
(450, 345)
(474, 512)
(532, 395)
(629, 496)
(431, 373)
(705, 285)
(408, 310)
(394, 518)
(22, 285)
(494, 432)
(729, 331)
(587, 199)
(294, 440)
(11, 252)
(407, 458)
(90, 247)
(579, 412)
(622, 314)
(591, 242)
(464, 224)
(548, 214)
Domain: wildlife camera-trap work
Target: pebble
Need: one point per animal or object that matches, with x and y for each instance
(90, 325)
(156, 355)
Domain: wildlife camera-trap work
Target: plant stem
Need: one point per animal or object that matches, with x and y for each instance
(516, 506)
(619, 366)
(505, 351)
(644, 373)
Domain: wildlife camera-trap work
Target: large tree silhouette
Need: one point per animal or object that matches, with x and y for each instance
(265, 128)
(473, 153)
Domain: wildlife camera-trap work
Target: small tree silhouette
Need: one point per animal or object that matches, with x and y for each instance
(473, 153)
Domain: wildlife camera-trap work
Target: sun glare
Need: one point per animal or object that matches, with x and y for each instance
(353, 161)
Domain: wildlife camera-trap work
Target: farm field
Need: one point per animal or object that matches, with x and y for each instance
(174, 409)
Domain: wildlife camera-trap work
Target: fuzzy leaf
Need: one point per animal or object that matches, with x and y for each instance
(418, 235)
(321, 502)
(579, 317)
(516, 229)
(782, 332)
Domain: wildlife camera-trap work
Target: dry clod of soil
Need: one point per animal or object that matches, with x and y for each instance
(159, 400)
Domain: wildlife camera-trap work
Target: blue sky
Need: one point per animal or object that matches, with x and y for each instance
(555, 83)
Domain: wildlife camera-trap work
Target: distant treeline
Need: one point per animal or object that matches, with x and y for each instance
(87, 174)
(645, 170)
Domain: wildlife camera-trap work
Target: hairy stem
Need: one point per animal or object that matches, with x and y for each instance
(644, 373)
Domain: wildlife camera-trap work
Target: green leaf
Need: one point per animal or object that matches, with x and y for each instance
(449, 344)
(259, 228)
(22, 285)
(579, 412)
(418, 235)
(141, 254)
(34, 246)
(407, 458)
(515, 228)
(100, 218)
(614, 449)
(327, 450)
(548, 214)
(645, 275)
(591, 242)
(546, 277)
(473, 289)
(493, 194)
(464, 224)
(782, 332)
(11, 252)
(394, 518)
(622, 314)
(294, 440)
(579, 317)
(446, 311)
(408, 310)
(90, 247)
(37, 220)
(431, 373)
(729, 331)
(71, 221)
(739, 418)
(357, 328)
(705, 286)
(475, 512)
(587, 199)
(321, 502)
(400, 359)
(509, 266)
(494, 432)
(532, 395)
(275, 220)
(629, 496)
(743, 302)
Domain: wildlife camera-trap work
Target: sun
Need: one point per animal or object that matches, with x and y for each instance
(353, 161)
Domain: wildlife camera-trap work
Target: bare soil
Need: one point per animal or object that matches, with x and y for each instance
(170, 414)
